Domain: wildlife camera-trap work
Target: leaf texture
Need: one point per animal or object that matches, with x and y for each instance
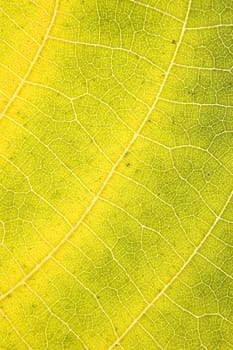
(116, 174)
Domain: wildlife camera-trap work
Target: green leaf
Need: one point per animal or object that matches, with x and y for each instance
(116, 174)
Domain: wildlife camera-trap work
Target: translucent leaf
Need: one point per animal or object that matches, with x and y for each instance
(116, 174)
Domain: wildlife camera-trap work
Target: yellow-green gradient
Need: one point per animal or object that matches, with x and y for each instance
(116, 174)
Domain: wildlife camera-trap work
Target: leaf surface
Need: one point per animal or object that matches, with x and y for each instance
(116, 174)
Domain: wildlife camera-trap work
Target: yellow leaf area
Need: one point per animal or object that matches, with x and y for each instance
(116, 174)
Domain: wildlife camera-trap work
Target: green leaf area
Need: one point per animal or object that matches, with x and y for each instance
(116, 149)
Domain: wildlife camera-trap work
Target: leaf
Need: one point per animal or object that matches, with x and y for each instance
(116, 174)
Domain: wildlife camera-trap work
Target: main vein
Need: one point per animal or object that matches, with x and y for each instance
(162, 292)
(33, 62)
(112, 171)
